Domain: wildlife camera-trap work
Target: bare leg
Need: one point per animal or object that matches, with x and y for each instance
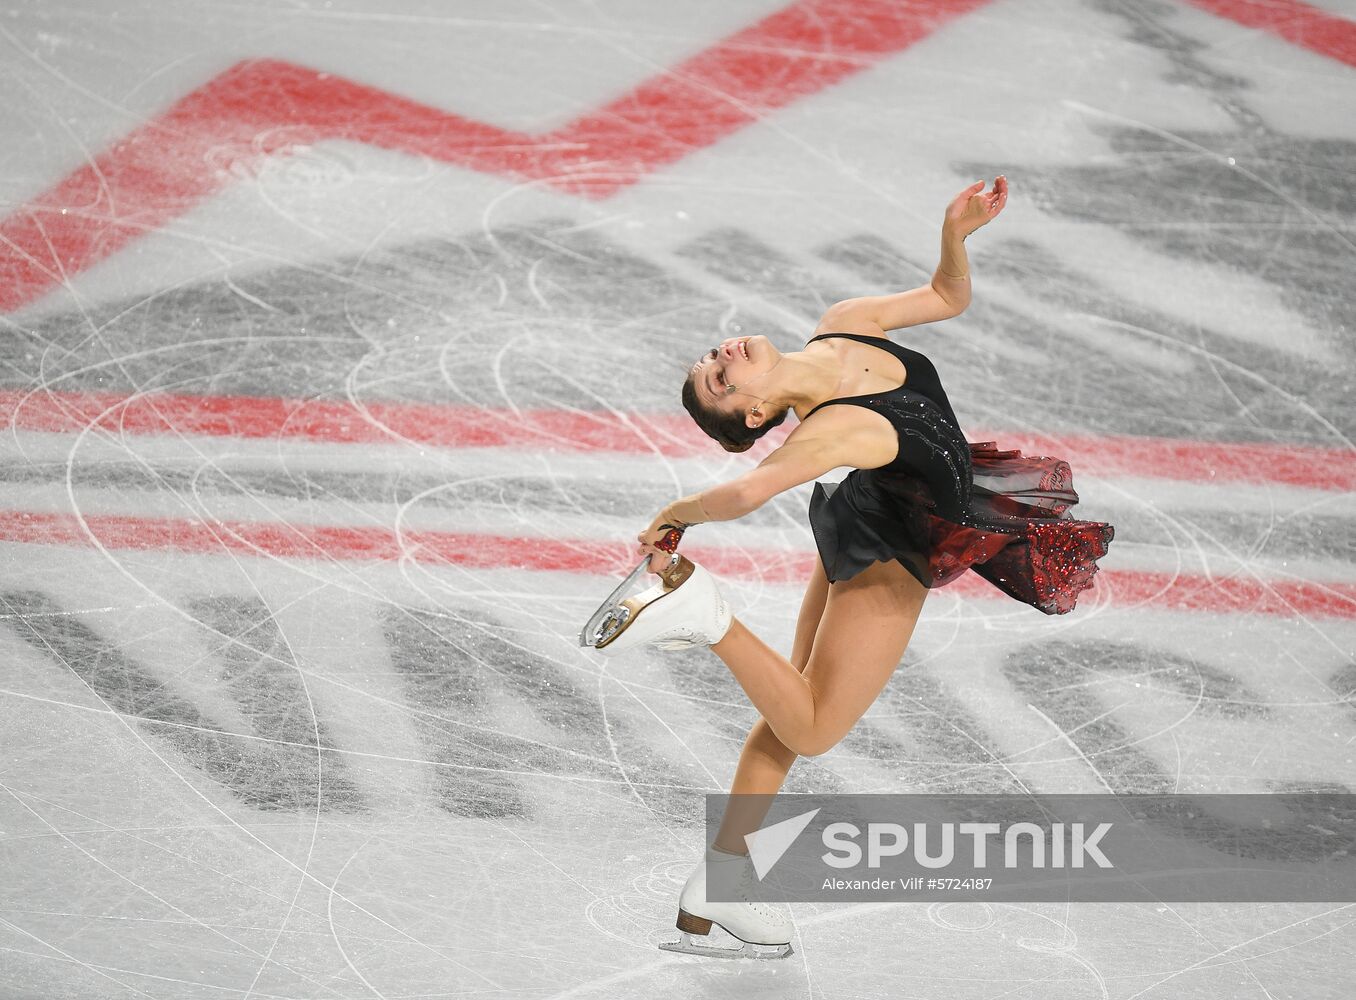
(866, 626)
(763, 767)
(765, 761)
(838, 667)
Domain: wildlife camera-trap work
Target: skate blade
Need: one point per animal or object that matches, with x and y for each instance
(604, 623)
(615, 616)
(685, 945)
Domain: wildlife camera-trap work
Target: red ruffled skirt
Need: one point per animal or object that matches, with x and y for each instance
(1014, 528)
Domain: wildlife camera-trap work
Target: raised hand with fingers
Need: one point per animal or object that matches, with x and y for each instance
(974, 206)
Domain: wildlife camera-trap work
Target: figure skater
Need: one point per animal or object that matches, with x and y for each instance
(920, 507)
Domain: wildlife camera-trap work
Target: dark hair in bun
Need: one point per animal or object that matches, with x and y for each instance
(727, 429)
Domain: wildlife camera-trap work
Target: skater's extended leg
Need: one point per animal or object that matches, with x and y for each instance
(765, 761)
(846, 656)
(844, 669)
(866, 625)
(763, 766)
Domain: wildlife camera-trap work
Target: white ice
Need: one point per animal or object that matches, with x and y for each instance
(229, 768)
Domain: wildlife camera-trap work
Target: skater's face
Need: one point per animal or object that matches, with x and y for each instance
(731, 363)
(744, 365)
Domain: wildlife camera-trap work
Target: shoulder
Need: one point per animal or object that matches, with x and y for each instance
(846, 317)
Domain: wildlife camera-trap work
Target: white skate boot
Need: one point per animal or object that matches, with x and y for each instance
(684, 608)
(763, 930)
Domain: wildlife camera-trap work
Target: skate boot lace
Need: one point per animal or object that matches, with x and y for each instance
(744, 888)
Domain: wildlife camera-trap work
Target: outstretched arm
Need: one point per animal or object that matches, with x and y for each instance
(946, 295)
(795, 462)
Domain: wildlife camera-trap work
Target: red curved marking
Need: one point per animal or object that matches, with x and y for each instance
(261, 108)
(1304, 25)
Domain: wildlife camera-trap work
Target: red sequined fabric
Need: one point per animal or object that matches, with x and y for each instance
(1049, 560)
(1014, 528)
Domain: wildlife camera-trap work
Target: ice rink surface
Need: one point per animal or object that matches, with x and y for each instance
(341, 352)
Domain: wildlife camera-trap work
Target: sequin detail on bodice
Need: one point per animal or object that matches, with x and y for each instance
(945, 505)
(931, 445)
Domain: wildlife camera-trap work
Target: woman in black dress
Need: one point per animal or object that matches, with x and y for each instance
(921, 506)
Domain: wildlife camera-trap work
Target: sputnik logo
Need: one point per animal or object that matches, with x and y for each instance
(766, 846)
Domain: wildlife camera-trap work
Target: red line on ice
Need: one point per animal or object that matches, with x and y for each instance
(260, 108)
(266, 107)
(1304, 25)
(464, 426)
(1183, 592)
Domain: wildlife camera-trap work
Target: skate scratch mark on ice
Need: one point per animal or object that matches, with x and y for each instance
(1078, 751)
(1065, 948)
(1177, 770)
(319, 784)
(98, 826)
(1202, 936)
(1212, 961)
(207, 461)
(622, 420)
(700, 101)
(372, 755)
(621, 767)
(1067, 737)
(1215, 360)
(1198, 535)
(404, 568)
(193, 789)
(984, 750)
(1321, 223)
(1194, 532)
(97, 970)
(695, 755)
(138, 887)
(128, 190)
(827, 916)
(329, 916)
(104, 968)
(610, 429)
(505, 828)
(604, 982)
(28, 616)
(286, 542)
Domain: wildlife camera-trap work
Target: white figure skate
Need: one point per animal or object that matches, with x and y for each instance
(682, 609)
(763, 930)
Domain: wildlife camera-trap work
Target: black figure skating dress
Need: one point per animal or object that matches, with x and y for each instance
(945, 505)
